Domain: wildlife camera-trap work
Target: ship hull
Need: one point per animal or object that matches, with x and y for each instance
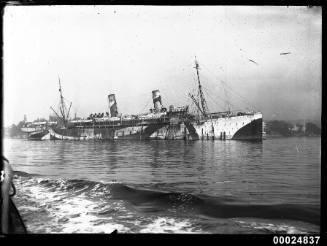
(107, 133)
(39, 135)
(245, 127)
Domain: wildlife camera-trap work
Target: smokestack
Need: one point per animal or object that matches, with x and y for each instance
(156, 100)
(112, 105)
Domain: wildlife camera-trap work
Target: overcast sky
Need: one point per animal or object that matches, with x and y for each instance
(132, 50)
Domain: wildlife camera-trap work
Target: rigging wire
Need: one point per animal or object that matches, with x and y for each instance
(231, 90)
(208, 94)
(146, 105)
(217, 103)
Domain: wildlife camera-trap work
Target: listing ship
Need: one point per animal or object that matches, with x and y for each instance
(38, 130)
(158, 123)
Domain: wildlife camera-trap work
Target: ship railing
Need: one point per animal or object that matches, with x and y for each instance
(231, 113)
(122, 122)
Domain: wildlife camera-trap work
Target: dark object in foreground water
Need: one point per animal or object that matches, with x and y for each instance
(15, 223)
(11, 222)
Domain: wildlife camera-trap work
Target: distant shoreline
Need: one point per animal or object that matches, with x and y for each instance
(264, 138)
(293, 136)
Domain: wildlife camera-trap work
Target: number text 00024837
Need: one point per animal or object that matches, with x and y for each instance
(296, 239)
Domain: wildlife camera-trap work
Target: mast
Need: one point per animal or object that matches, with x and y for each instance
(62, 104)
(62, 107)
(204, 105)
(196, 103)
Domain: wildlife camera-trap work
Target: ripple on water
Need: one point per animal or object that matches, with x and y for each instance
(272, 171)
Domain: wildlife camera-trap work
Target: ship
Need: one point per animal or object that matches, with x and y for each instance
(159, 122)
(237, 125)
(38, 130)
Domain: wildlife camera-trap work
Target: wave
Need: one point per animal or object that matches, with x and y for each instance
(217, 207)
(274, 228)
(24, 174)
(154, 200)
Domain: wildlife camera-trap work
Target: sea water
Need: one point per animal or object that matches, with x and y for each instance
(168, 186)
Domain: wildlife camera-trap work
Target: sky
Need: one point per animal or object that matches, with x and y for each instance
(132, 50)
